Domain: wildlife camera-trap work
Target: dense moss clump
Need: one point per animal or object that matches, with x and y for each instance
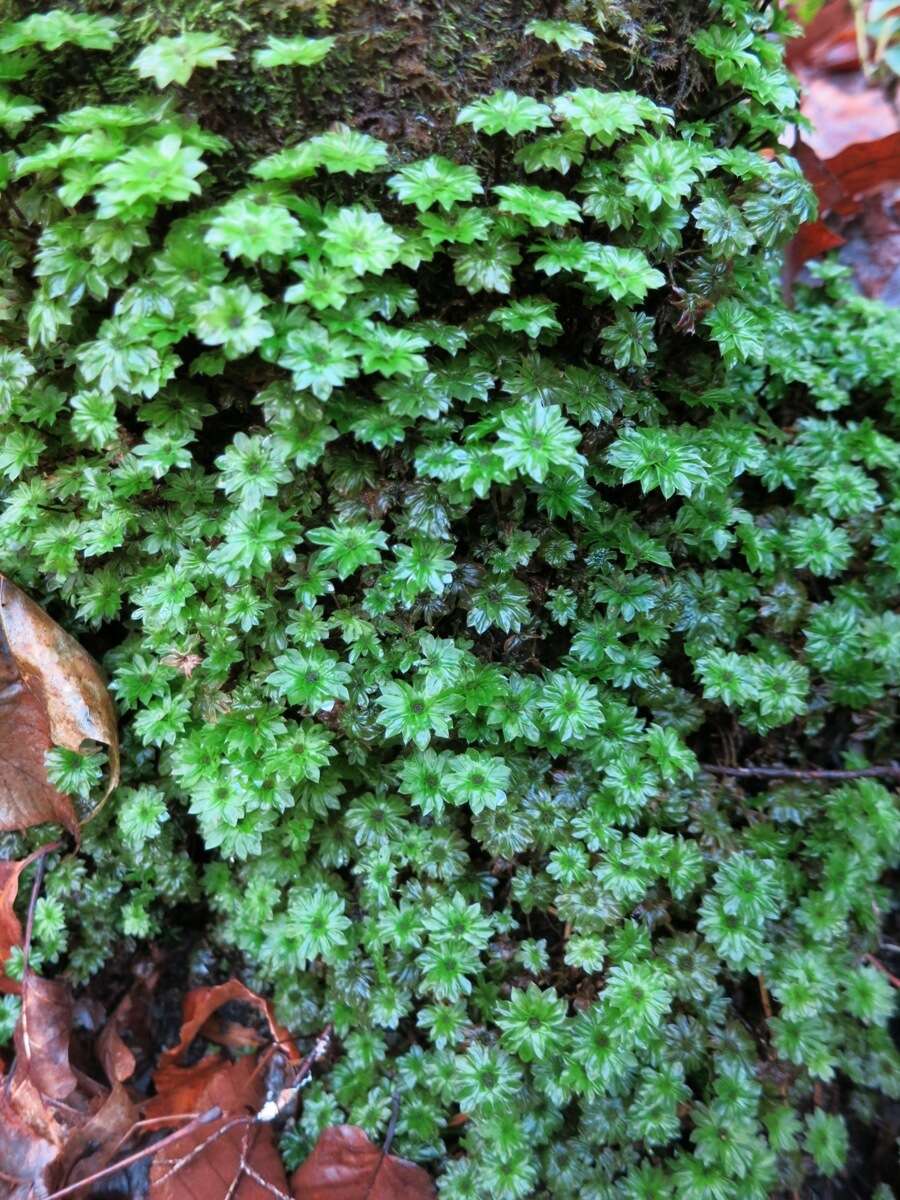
(440, 502)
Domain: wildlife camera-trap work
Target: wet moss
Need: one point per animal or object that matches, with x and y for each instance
(400, 71)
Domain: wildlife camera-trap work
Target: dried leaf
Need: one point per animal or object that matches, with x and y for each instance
(131, 1015)
(828, 42)
(11, 932)
(844, 185)
(35, 1128)
(42, 1036)
(26, 795)
(51, 693)
(222, 1157)
(28, 1148)
(864, 168)
(202, 1003)
(873, 251)
(812, 240)
(345, 1165)
(845, 110)
(91, 1146)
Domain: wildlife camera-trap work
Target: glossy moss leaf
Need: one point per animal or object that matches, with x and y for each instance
(505, 112)
(293, 52)
(57, 28)
(360, 240)
(16, 111)
(565, 35)
(607, 116)
(537, 205)
(435, 180)
(345, 150)
(623, 274)
(174, 59)
(555, 152)
(487, 266)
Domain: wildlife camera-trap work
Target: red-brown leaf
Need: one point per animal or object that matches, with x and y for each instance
(864, 168)
(26, 795)
(873, 251)
(99, 1137)
(207, 1163)
(10, 925)
(812, 240)
(29, 1142)
(345, 1165)
(202, 1003)
(828, 42)
(51, 694)
(11, 933)
(42, 1036)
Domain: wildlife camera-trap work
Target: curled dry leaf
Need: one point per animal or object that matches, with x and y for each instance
(345, 1165)
(844, 186)
(829, 41)
(11, 933)
(40, 1107)
(51, 694)
(42, 1036)
(234, 1154)
(230, 1155)
(201, 1004)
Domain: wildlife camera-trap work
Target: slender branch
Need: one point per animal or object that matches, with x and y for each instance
(41, 858)
(150, 1123)
(764, 997)
(894, 981)
(178, 1164)
(211, 1114)
(392, 1123)
(890, 771)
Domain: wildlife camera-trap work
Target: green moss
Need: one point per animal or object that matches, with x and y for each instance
(435, 524)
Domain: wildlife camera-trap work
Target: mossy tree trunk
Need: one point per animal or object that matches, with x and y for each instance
(400, 71)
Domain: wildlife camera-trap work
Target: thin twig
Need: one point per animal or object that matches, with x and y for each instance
(239, 1173)
(41, 859)
(264, 1183)
(890, 771)
(764, 997)
(870, 958)
(211, 1114)
(178, 1164)
(392, 1123)
(151, 1123)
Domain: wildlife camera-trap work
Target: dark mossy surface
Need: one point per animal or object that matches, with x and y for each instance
(399, 72)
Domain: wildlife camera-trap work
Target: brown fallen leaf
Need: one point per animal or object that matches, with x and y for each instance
(42, 1036)
(828, 42)
(31, 1140)
(202, 1003)
(845, 186)
(345, 1165)
(41, 1106)
(11, 933)
(51, 694)
(861, 170)
(233, 1155)
(873, 250)
(812, 240)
